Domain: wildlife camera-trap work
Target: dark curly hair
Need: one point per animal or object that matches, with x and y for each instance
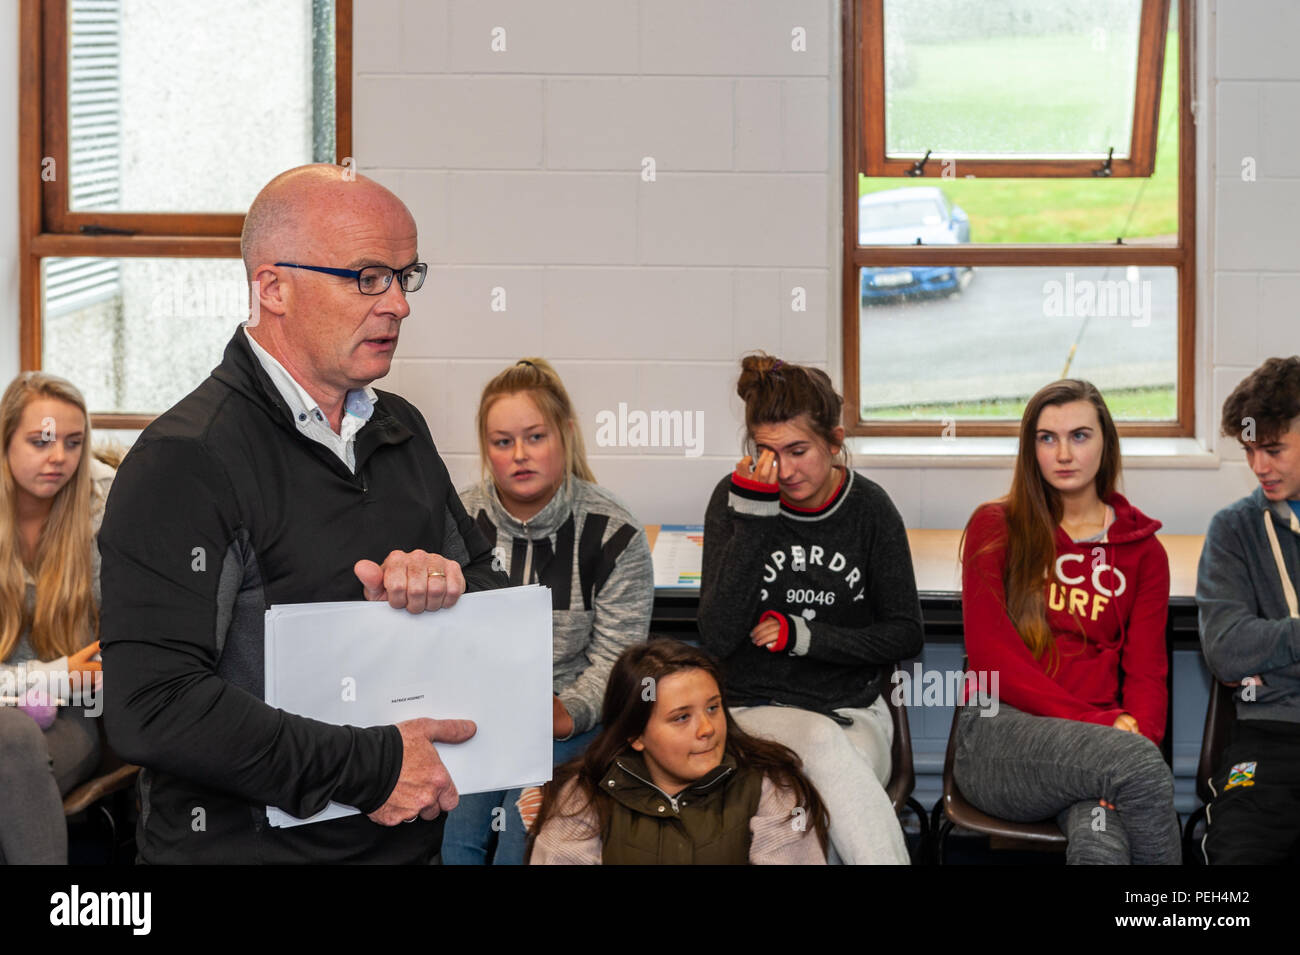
(1269, 396)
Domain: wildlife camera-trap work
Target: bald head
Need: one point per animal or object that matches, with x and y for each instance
(297, 207)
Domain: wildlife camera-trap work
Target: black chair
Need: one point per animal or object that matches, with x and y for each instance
(101, 793)
(902, 776)
(1002, 833)
(1220, 717)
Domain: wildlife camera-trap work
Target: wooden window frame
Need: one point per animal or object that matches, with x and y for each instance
(47, 228)
(1153, 25)
(856, 17)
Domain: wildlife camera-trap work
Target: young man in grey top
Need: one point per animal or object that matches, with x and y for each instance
(1250, 626)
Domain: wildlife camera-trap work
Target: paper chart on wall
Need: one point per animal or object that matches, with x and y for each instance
(678, 555)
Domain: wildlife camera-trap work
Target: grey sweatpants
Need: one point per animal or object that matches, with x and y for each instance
(37, 768)
(1029, 768)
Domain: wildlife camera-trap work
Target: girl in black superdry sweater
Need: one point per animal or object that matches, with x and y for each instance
(808, 598)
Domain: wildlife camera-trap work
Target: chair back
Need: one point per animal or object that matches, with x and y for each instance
(1220, 717)
(109, 777)
(902, 775)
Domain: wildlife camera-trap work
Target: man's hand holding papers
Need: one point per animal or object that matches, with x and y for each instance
(415, 580)
(424, 788)
(418, 581)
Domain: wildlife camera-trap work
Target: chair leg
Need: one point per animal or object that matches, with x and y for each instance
(1191, 851)
(106, 814)
(923, 819)
(940, 841)
(936, 817)
(921, 815)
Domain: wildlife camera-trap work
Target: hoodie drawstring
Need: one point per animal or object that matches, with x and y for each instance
(1123, 631)
(1287, 589)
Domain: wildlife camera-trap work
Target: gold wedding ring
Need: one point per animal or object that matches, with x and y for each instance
(436, 573)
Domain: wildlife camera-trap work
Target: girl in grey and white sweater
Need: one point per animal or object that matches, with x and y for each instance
(551, 524)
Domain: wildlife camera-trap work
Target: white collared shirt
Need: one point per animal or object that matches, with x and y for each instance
(358, 406)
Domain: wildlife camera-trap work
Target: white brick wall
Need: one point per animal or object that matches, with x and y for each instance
(523, 168)
(736, 37)
(524, 172)
(1255, 40)
(1254, 306)
(448, 122)
(575, 36)
(613, 122)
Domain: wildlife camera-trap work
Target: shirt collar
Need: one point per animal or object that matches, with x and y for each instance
(359, 402)
(832, 503)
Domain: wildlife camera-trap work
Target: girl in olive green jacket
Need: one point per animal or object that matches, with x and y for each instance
(672, 779)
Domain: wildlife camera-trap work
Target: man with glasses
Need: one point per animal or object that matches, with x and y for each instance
(284, 478)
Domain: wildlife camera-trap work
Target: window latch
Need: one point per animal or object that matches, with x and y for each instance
(1104, 170)
(918, 168)
(104, 230)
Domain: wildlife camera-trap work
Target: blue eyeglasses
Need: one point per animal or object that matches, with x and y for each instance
(373, 279)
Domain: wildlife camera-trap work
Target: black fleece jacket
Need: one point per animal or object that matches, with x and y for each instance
(838, 580)
(221, 509)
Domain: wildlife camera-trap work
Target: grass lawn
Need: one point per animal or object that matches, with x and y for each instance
(1136, 404)
(1035, 210)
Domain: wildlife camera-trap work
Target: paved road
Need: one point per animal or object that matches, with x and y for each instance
(1009, 333)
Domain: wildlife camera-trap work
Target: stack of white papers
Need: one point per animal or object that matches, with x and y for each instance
(362, 663)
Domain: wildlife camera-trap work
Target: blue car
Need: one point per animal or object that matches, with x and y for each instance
(901, 217)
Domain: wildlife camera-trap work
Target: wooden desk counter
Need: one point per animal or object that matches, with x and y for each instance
(938, 571)
(934, 560)
(938, 582)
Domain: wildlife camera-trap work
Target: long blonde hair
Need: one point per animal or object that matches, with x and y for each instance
(542, 383)
(65, 617)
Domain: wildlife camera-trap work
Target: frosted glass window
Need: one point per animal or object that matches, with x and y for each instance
(192, 106)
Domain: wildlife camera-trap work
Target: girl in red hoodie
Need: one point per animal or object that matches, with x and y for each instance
(1065, 590)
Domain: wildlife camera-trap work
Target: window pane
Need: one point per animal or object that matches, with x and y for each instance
(1052, 210)
(1040, 211)
(191, 106)
(1013, 79)
(944, 342)
(137, 335)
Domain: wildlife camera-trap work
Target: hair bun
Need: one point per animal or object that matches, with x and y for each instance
(757, 370)
(776, 391)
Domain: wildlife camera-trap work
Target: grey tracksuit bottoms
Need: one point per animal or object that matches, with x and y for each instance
(1029, 768)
